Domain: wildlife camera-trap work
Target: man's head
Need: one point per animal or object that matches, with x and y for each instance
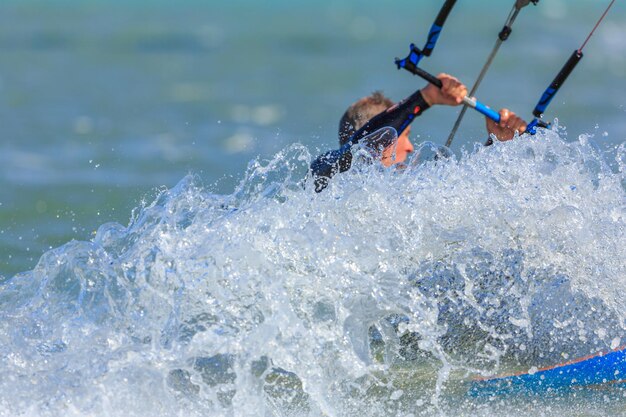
(363, 110)
(360, 112)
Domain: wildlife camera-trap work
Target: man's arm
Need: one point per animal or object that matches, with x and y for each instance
(402, 114)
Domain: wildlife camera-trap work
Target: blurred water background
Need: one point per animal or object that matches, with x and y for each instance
(104, 102)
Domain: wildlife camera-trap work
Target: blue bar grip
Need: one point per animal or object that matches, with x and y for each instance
(492, 114)
(412, 60)
(433, 35)
(435, 29)
(544, 101)
(532, 126)
(416, 55)
(550, 92)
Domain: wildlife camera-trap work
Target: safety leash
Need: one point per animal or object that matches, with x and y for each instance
(502, 36)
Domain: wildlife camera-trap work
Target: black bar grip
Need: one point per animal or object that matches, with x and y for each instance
(435, 29)
(427, 76)
(444, 12)
(567, 69)
(548, 95)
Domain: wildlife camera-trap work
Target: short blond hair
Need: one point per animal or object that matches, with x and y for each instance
(360, 113)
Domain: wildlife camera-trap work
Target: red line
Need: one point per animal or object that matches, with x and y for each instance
(596, 26)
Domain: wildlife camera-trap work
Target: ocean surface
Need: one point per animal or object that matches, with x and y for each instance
(162, 253)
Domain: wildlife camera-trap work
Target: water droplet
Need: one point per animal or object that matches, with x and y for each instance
(615, 343)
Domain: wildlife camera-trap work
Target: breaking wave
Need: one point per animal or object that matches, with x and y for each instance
(382, 295)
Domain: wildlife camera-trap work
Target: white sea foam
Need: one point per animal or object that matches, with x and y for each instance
(378, 296)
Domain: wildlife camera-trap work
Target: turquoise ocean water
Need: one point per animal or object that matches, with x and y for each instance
(152, 153)
(104, 102)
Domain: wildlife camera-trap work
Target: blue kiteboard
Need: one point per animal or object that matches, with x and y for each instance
(602, 369)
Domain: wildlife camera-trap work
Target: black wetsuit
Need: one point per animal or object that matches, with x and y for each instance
(398, 117)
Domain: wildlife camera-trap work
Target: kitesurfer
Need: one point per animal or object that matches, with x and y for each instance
(373, 112)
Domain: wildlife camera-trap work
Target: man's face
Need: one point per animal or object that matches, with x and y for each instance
(401, 148)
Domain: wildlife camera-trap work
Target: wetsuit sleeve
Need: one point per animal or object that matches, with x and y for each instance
(398, 116)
